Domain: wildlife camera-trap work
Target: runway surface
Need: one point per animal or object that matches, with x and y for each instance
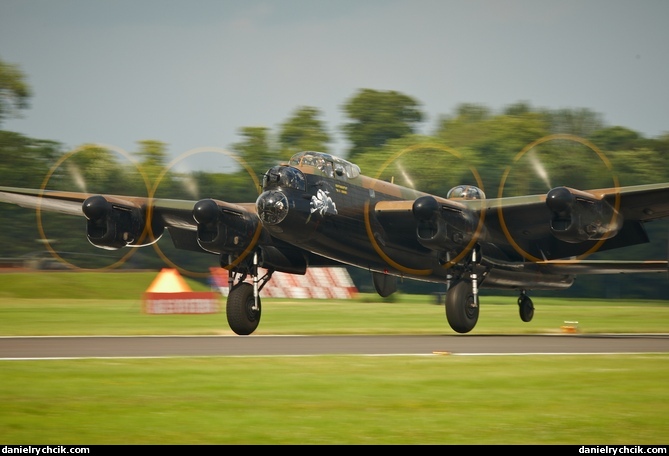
(165, 346)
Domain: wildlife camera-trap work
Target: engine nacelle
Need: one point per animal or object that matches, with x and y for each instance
(221, 230)
(579, 216)
(443, 226)
(113, 226)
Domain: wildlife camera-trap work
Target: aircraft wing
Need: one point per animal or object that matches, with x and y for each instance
(176, 213)
(559, 225)
(641, 202)
(638, 202)
(130, 214)
(48, 200)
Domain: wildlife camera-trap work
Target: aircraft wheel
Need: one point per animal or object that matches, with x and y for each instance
(525, 308)
(242, 317)
(462, 310)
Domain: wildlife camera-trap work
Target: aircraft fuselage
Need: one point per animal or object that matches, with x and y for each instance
(330, 211)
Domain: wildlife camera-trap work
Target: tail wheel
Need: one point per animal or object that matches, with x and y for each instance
(525, 308)
(462, 310)
(243, 316)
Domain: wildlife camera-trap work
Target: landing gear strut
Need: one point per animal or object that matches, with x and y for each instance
(243, 308)
(525, 307)
(462, 304)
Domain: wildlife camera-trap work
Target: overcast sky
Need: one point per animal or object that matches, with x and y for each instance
(192, 73)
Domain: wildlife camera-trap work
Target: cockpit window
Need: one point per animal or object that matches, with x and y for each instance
(326, 163)
(284, 176)
(468, 192)
(350, 169)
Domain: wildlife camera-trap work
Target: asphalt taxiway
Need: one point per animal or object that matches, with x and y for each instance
(260, 345)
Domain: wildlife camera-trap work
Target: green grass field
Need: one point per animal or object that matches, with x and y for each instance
(562, 399)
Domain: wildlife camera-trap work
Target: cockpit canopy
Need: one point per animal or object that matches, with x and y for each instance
(468, 192)
(290, 176)
(328, 164)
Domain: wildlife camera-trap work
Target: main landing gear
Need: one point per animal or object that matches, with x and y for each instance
(462, 304)
(462, 308)
(243, 308)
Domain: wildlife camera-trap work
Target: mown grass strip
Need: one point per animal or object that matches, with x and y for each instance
(619, 399)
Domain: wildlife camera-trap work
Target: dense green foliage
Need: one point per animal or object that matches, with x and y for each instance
(15, 92)
(378, 117)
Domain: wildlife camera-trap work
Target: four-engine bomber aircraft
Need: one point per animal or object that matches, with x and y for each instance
(319, 210)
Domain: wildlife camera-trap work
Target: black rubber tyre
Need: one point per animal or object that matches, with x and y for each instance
(242, 318)
(462, 310)
(525, 308)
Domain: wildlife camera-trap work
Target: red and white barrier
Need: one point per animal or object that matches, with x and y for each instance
(317, 283)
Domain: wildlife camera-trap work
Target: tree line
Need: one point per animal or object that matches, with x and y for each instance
(520, 149)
